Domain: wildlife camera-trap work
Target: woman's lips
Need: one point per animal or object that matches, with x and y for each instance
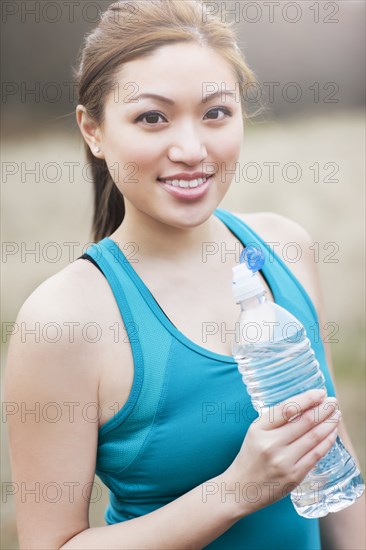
(188, 193)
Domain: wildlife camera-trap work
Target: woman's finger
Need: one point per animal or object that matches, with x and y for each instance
(314, 437)
(308, 460)
(280, 414)
(303, 423)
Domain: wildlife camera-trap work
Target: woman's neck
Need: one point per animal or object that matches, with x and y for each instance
(159, 239)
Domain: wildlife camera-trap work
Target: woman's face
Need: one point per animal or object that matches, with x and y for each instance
(156, 147)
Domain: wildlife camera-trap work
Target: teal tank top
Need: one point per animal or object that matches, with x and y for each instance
(188, 410)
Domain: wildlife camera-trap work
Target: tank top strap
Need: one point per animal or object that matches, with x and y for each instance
(143, 331)
(124, 291)
(287, 289)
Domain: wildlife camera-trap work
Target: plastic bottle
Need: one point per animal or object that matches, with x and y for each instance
(276, 361)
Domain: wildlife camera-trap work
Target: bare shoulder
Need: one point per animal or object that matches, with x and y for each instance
(69, 290)
(272, 226)
(292, 243)
(75, 293)
(63, 318)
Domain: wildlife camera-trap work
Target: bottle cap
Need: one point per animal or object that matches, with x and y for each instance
(246, 284)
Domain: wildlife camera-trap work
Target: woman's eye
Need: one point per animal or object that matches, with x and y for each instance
(151, 118)
(213, 114)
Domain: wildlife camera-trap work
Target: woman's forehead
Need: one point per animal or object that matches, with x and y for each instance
(187, 62)
(180, 73)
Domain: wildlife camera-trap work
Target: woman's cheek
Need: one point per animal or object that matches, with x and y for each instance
(228, 164)
(231, 142)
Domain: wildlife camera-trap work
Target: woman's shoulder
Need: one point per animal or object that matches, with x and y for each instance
(51, 356)
(271, 226)
(65, 316)
(74, 291)
(292, 243)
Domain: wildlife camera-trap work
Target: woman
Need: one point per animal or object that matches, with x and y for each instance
(153, 403)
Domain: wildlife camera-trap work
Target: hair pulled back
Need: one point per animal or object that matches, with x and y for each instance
(130, 29)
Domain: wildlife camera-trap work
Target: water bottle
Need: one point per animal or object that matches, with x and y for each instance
(276, 361)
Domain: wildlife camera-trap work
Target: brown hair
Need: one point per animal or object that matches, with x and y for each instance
(132, 29)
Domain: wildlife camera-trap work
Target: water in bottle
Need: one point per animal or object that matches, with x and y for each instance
(276, 361)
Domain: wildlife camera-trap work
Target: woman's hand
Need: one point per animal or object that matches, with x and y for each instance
(281, 447)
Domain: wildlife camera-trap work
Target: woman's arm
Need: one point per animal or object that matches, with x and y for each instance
(188, 522)
(51, 389)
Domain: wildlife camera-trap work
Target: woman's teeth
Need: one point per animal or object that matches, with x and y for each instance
(186, 183)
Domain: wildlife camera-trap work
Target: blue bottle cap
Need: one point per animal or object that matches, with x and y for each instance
(253, 257)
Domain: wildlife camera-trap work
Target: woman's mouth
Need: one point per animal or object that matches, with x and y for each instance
(187, 189)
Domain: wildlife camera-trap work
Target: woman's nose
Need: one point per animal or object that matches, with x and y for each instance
(187, 147)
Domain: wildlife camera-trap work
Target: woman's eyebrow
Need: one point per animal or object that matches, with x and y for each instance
(208, 97)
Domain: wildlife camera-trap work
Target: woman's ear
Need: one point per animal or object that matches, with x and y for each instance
(90, 131)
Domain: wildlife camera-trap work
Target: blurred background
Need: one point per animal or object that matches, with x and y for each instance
(303, 157)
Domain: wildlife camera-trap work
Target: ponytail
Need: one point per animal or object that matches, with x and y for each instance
(109, 204)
